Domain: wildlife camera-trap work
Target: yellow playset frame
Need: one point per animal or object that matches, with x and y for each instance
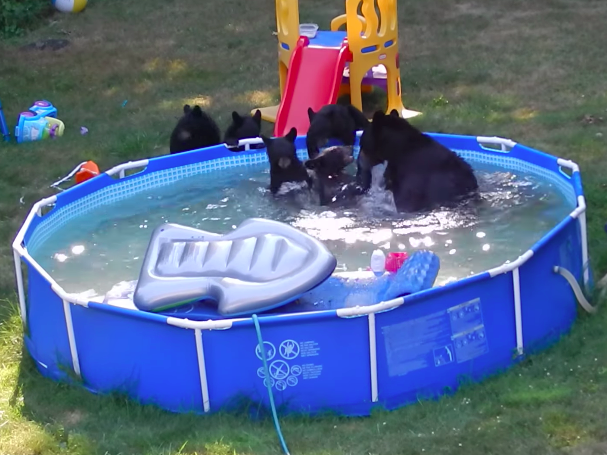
(372, 40)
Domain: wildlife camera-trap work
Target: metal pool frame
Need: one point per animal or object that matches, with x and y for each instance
(347, 360)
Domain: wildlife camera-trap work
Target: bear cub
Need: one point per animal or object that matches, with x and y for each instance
(330, 181)
(421, 173)
(194, 130)
(285, 166)
(333, 121)
(242, 127)
(332, 184)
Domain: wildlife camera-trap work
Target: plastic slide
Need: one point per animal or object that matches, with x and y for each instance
(314, 77)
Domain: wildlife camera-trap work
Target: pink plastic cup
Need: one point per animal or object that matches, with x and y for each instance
(395, 260)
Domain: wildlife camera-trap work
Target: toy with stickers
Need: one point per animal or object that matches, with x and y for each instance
(38, 122)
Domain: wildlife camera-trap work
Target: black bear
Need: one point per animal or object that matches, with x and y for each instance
(194, 130)
(285, 166)
(421, 173)
(333, 121)
(331, 182)
(242, 127)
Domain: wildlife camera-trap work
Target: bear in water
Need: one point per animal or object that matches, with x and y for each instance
(242, 127)
(333, 121)
(330, 180)
(421, 173)
(194, 130)
(285, 166)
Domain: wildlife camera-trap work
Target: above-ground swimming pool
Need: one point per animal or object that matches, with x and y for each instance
(473, 323)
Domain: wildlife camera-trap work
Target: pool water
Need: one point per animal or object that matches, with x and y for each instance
(94, 252)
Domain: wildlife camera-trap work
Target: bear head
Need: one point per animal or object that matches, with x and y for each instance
(281, 151)
(242, 127)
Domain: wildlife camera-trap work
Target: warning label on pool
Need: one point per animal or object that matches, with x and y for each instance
(285, 366)
(311, 371)
(309, 348)
(453, 335)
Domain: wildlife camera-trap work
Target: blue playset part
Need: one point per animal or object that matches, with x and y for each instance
(3, 127)
(262, 264)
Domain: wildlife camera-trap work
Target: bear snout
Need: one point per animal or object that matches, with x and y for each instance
(284, 162)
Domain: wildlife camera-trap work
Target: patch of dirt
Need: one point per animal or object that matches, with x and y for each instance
(471, 9)
(595, 448)
(591, 119)
(73, 418)
(52, 44)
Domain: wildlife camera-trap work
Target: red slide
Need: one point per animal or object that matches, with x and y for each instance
(313, 80)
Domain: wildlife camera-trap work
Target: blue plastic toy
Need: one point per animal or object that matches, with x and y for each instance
(416, 274)
(39, 122)
(44, 108)
(3, 127)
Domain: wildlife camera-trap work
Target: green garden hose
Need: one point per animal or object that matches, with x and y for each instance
(269, 385)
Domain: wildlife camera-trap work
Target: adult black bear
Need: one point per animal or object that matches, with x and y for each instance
(285, 166)
(421, 173)
(333, 121)
(242, 127)
(194, 130)
(331, 182)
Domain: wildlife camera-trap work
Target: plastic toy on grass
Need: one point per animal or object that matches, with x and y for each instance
(35, 127)
(316, 66)
(69, 6)
(84, 171)
(44, 108)
(87, 171)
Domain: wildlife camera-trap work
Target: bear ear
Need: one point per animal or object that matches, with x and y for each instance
(186, 109)
(196, 111)
(266, 140)
(257, 117)
(378, 117)
(236, 118)
(394, 113)
(311, 113)
(291, 135)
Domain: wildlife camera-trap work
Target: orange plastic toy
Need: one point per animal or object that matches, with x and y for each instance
(87, 171)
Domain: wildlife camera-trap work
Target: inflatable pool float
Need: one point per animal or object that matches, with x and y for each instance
(351, 289)
(260, 265)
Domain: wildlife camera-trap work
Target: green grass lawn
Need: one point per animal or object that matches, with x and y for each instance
(530, 71)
